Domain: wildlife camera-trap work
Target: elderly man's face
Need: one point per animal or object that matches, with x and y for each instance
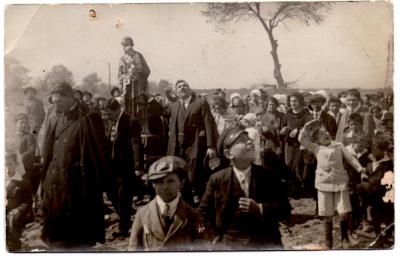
(183, 90)
(61, 102)
(352, 101)
(242, 150)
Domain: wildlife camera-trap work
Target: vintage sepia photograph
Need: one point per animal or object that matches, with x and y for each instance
(199, 127)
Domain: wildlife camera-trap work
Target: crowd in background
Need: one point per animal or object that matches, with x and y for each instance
(363, 124)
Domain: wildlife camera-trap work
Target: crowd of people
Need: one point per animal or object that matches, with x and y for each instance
(219, 171)
(232, 165)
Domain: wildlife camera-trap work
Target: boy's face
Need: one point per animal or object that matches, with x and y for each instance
(324, 138)
(242, 149)
(168, 187)
(354, 126)
(334, 107)
(358, 147)
(22, 126)
(377, 153)
(11, 167)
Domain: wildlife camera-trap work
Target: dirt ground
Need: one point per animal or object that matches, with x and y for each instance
(304, 231)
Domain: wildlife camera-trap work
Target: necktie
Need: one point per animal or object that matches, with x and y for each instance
(183, 104)
(167, 218)
(244, 185)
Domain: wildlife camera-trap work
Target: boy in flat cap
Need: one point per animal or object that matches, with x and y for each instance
(243, 203)
(167, 223)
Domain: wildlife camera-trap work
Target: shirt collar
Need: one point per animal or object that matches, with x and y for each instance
(384, 159)
(172, 205)
(187, 100)
(241, 173)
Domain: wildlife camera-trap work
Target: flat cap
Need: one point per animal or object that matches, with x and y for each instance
(317, 97)
(167, 165)
(21, 116)
(227, 138)
(62, 88)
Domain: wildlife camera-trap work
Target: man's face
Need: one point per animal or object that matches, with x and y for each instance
(242, 149)
(271, 107)
(352, 101)
(102, 104)
(77, 96)
(316, 105)
(86, 98)
(30, 94)
(127, 48)
(23, 126)
(334, 107)
(60, 102)
(168, 187)
(354, 126)
(294, 103)
(183, 90)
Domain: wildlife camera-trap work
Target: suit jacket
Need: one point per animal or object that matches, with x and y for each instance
(184, 233)
(368, 126)
(200, 130)
(35, 110)
(266, 187)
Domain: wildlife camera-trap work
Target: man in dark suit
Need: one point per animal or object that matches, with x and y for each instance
(126, 153)
(243, 204)
(192, 135)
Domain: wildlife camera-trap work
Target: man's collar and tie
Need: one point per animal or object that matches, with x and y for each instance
(185, 102)
(167, 211)
(244, 179)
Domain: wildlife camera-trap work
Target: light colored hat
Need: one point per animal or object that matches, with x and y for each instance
(234, 95)
(256, 92)
(167, 165)
(251, 118)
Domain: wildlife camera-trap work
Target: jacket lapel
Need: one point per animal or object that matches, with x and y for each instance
(63, 126)
(190, 107)
(179, 220)
(226, 184)
(153, 221)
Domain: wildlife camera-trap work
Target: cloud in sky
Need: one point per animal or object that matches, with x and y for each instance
(348, 49)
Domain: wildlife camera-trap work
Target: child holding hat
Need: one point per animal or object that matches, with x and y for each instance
(331, 179)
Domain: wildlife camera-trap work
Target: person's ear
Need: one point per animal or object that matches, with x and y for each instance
(228, 154)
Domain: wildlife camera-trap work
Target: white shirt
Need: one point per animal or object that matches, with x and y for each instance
(172, 206)
(244, 179)
(186, 101)
(317, 115)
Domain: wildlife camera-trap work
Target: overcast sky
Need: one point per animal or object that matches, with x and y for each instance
(348, 49)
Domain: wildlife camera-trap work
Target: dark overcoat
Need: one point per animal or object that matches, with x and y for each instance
(75, 168)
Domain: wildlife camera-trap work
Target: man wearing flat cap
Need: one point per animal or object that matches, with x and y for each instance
(192, 135)
(167, 223)
(34, 109)
(133, 72)
(75, 170)
(243, 203)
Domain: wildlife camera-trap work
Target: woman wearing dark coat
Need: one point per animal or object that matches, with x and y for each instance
(296, 117)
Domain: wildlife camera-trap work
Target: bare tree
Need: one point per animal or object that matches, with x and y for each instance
(270, 15)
